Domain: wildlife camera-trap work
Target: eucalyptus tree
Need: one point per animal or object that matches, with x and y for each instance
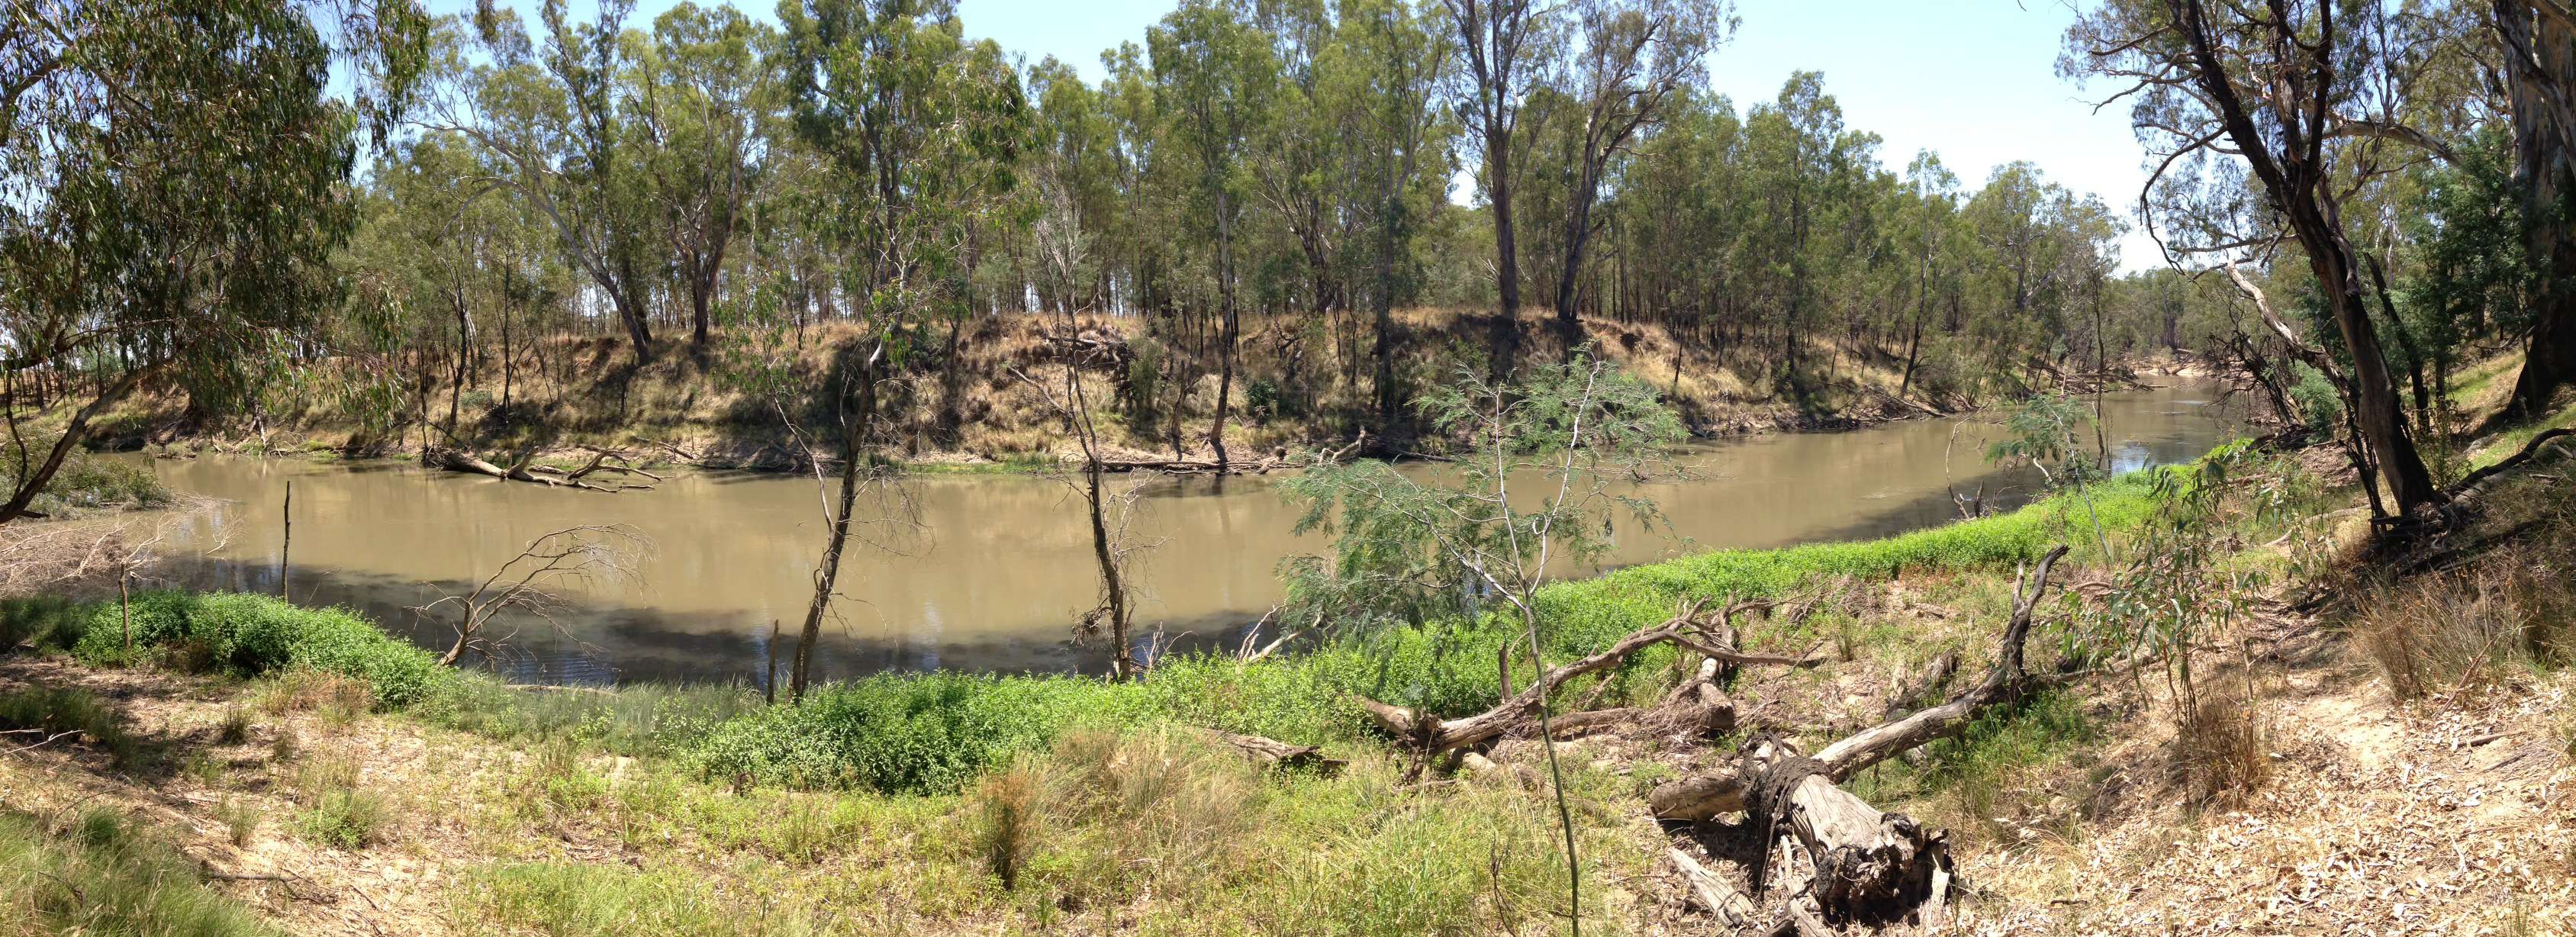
(173, 177)
(702, 97)
(1499, 42)
(920, 131)
(2539, 55)
(1214, 76)
(1806, 163)
(2280, 93)
(1932, 196)
(557, 121)
(1626, 64)
(1387, 70)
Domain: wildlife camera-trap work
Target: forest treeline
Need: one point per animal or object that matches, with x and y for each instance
(194, 202)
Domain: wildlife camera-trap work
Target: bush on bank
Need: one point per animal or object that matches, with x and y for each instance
(249, 635)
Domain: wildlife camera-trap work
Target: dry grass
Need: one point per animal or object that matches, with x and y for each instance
(1007, 807)
(2222, 749)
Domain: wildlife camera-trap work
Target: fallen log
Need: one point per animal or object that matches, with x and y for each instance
(521, 469)
(1721, 791)
(1429, 736)
(1721, 899)
(1275, 753)
(1868, 866)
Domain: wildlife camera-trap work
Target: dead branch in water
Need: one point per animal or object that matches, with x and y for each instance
(584, 556)
(523, 469)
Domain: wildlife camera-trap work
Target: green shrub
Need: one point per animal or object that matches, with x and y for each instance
(250, 635)
(2318, 401)
(906, 733)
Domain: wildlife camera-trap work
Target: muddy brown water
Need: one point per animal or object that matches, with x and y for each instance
(1000, 565)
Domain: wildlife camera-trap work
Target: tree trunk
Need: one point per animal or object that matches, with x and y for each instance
(857, 419)
(2540, 72)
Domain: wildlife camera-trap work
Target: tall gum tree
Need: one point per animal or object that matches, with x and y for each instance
(920, 131)
(1627, 63)
(2269, 88)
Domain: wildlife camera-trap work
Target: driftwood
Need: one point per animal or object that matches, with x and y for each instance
(521, 469)
(1868, 866)
(1431, 736)
(1195, 466)
(1275, 753)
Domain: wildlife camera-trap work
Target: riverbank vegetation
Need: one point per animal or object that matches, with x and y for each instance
(969, 804)
(2313, 681)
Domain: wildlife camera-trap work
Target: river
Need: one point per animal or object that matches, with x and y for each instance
(999, 565)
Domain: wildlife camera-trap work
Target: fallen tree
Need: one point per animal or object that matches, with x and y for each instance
(523, 468)
(1868, 866)
(1697, 702)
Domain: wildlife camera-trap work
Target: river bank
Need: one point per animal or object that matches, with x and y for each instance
(310, 801)
(991, 410)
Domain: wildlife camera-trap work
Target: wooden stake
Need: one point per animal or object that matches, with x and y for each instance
(125, 606)
(287, 513)
(769, 686)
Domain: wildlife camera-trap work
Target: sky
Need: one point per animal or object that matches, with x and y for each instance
(1974, 80)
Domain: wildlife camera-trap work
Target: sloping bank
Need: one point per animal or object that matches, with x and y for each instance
(927, 733)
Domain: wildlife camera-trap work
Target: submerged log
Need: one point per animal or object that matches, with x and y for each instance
(521, 469)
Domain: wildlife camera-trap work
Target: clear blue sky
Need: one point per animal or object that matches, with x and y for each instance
(1973, 80)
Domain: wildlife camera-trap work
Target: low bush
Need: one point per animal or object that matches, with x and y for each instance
(906, 733)
(250, 635)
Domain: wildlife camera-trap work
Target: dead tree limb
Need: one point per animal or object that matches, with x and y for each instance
(1431, 736)
(1868, 866)
(584, 556)
(1275, 753)
(1722, 791)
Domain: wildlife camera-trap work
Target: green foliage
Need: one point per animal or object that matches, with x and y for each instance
(250, 635)
(637, 719)
(1409, 547)
(1592, 614)
(925, 733)
(44, 622)
(86, 481)
(343, 818)
(109, 878)
(2320, 404)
